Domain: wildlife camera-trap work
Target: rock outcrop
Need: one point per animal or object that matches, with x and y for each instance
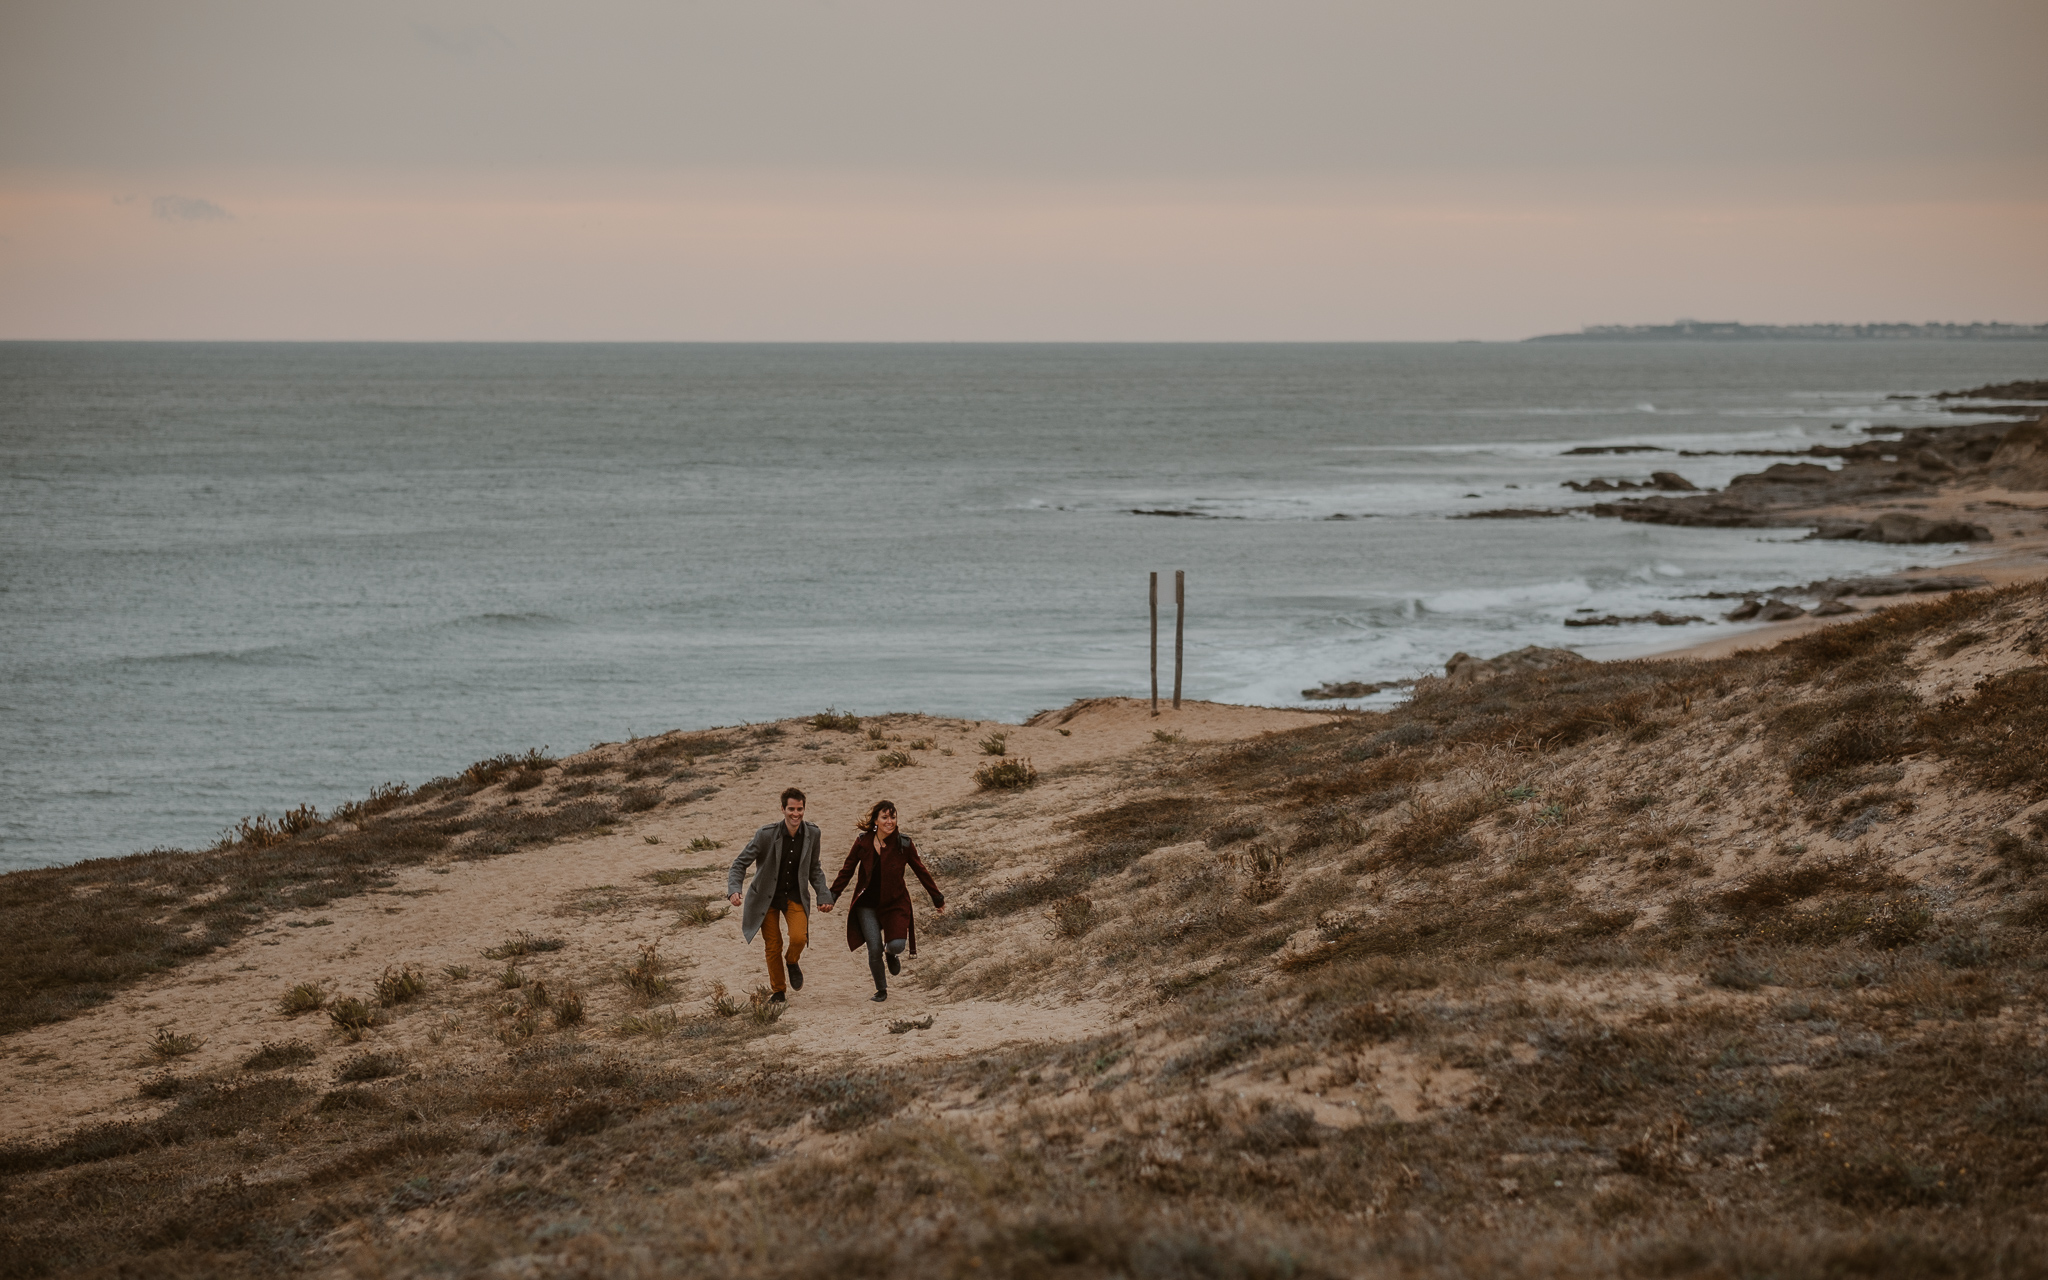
(1463, 668)
(1901, 527)
(1912, 465)
(1659, 617)
(1771, 609)
(2021, 461)
(1668, 481)
(1332, 690)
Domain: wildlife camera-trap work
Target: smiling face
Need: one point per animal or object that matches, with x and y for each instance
(792, 813)
(885, 825)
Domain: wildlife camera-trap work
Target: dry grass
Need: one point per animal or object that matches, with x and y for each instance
(167, 1044)
(720, 1002)
(523, 944)
(700, 909)
(279, 1056)
(71, 937)
(369, 1065)
(1642, 1014)
(643, 977)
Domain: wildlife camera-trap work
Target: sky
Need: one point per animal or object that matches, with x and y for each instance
(968, 170)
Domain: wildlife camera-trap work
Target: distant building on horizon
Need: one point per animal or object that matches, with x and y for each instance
(1736, 331)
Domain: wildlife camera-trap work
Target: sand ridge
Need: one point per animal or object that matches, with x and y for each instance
(592, 892)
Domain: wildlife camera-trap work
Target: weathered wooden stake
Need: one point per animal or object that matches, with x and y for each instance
(1180, 617)
(1155, 644)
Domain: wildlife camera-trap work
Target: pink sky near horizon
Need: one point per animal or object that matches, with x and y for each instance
(501, 191)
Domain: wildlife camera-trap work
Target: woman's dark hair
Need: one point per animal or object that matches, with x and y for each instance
(867, 824)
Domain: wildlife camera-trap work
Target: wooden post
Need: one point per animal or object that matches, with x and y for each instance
(1155, 643)
(1180, 616)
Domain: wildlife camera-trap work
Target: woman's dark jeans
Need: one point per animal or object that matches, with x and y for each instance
(871, 929)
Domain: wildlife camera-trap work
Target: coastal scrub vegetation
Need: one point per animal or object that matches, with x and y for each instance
(1686, 969)
(1005, 775)
(71, 937)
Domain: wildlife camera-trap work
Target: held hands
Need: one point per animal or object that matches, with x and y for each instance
(824, 906)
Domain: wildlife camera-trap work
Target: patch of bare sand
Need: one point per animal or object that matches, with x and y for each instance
(594, 893)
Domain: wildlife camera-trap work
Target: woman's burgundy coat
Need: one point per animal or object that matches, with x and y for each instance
(893, 910)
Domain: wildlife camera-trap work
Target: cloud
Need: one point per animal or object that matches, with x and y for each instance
(187, 209)
(463, 42)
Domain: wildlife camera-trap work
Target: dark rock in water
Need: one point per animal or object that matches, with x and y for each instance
(1659, 617)
(1994, 391)
(1745, 611)
(1182, 515)
(1899, 527)
(1669, 481)
(1779, 611)
(2021, 462)
(1463, 668)
(1840, 528)
(1509, 513)
(1830, 588)
(1585, 450)
(1832, 608)
(1708, 511)
(1331, 690)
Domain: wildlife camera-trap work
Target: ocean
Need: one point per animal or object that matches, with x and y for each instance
(243, 577)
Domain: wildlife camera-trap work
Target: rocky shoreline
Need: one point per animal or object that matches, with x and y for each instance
(2011, 453)
(1870, 497)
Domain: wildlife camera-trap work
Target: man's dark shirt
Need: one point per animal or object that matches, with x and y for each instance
(786, 878)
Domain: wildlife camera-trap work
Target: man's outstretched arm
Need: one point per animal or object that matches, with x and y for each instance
(736, 875)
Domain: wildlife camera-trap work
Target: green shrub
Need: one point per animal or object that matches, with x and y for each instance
(400, 985)
(167, 1044)
(353, 1017)
(523, 944)
(306, 997)
(1005, 775)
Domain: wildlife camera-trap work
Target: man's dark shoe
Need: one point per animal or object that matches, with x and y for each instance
(796, 977)
(879, 996)
(777, 998)
(895, 965)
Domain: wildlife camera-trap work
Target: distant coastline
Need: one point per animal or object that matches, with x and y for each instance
(1734, 331)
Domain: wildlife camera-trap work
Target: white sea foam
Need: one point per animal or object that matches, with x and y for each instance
(1541, 595)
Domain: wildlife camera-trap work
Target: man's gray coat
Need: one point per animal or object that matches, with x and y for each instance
(765, 849)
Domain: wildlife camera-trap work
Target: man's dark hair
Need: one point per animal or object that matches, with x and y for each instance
(789, 794)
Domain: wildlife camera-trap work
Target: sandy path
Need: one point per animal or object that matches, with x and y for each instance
(594, 894)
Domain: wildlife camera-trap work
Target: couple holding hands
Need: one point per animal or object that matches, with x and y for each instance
(787, 873)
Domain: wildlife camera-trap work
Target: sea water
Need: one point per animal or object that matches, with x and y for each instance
(241, 577)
